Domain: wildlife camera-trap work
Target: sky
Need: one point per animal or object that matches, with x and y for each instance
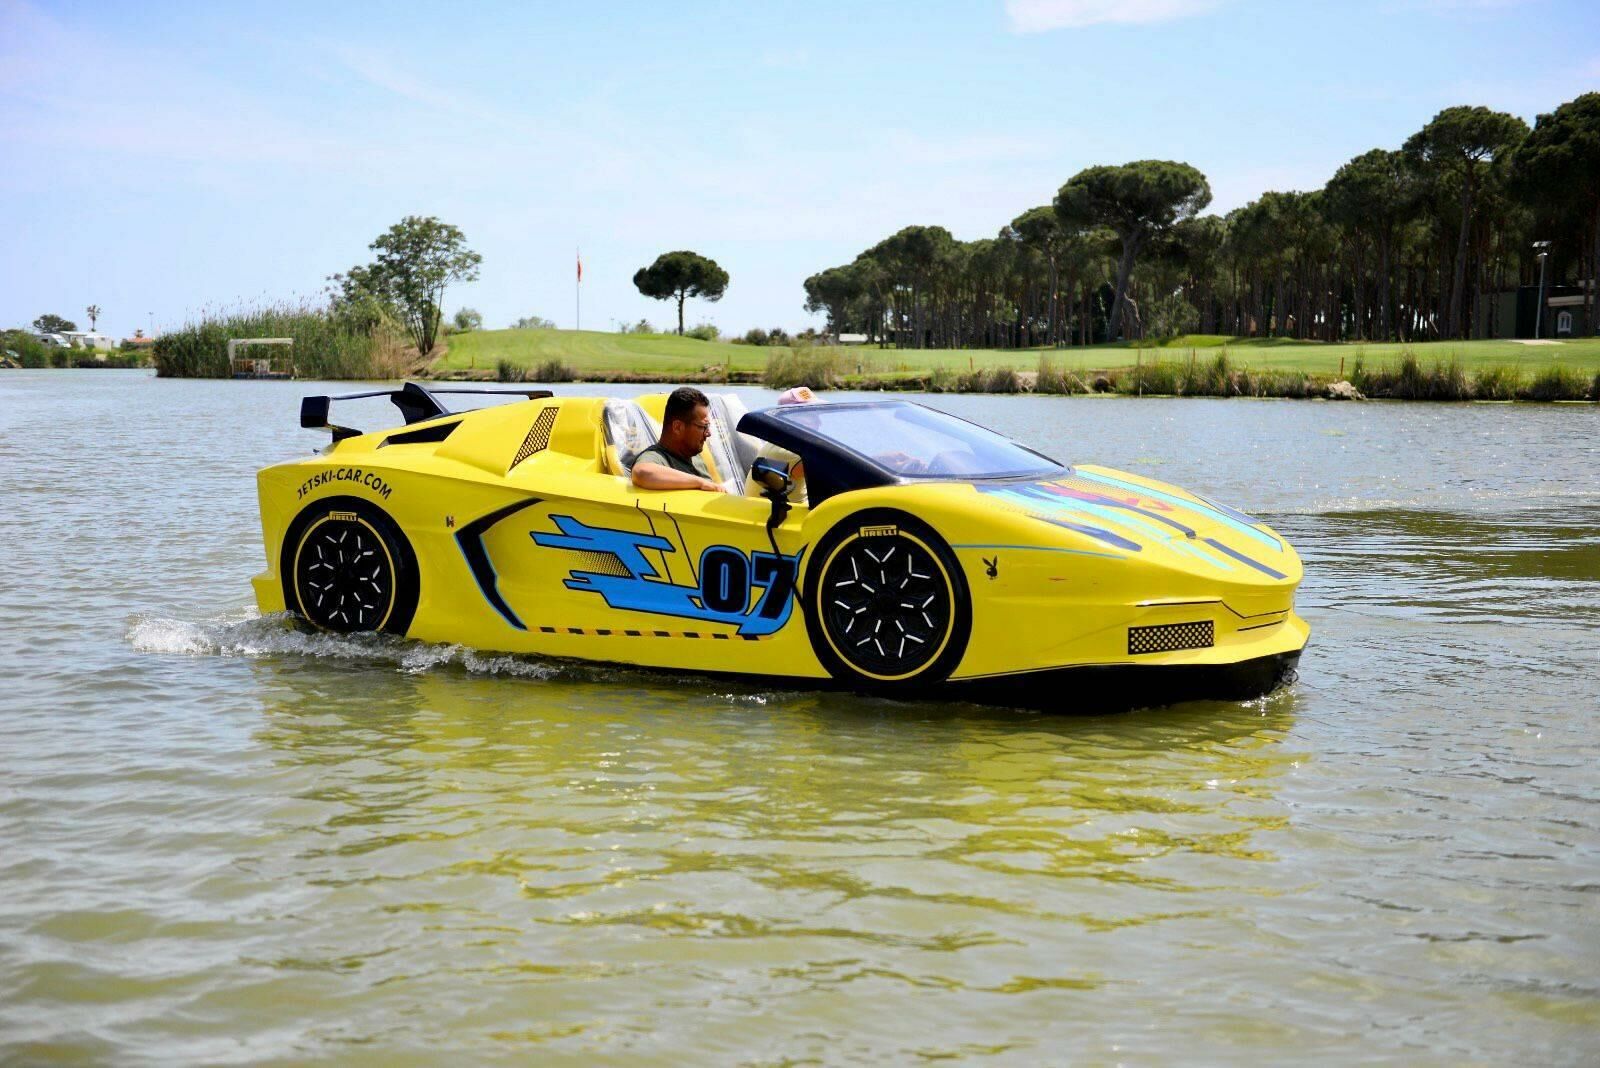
(166, 161)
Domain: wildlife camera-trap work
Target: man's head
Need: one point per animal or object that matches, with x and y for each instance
(686, 423)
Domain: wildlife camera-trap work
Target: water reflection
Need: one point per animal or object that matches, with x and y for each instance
(601, 838)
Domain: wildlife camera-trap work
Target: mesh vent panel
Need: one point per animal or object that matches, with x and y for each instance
(1169, 636)
(538, 436)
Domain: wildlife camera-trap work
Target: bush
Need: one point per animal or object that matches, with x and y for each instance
(816, 366)
(1171, 316)
(1498, 383)
(641, 327)
(31, 352)
(755, 336)
(703, 332)
(551, 370)
(1558, 383)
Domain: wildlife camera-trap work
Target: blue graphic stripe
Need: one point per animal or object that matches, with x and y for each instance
(1237, 520)
(1030, 503)
(1243, 559)
(1041, 549)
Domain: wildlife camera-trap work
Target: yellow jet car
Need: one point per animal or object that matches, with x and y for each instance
(929, 556)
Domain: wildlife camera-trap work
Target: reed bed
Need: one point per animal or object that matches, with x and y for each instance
(325, 345)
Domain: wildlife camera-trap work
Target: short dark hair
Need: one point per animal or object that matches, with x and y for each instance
(682, 403)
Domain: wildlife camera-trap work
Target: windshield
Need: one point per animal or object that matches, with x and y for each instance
(916, 442)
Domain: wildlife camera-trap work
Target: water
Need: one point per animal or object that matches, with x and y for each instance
(225, 841)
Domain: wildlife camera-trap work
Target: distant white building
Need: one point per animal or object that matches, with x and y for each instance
(89, 339)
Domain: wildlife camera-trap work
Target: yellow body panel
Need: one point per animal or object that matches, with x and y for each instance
(525, 543)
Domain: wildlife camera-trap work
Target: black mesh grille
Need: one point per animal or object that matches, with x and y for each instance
(1169, 636)
(538, 436)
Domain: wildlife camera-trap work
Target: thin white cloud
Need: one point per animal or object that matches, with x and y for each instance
(1040, 16)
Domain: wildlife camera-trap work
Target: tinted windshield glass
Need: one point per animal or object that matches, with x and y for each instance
(917, 442)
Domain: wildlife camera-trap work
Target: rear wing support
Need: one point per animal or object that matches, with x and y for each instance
(415, 403)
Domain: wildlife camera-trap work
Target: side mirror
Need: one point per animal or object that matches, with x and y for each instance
(773, 478)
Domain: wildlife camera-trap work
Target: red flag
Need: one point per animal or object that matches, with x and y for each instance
(580, 266)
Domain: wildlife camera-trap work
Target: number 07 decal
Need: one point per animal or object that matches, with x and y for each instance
(617, 569)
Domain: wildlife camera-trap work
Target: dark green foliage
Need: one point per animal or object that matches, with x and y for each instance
(418, 258)
(1558, 383)
(551, 370)
(680, 275)
(468, 319)
(53, 324)
(533, 322)
(31, 352)
(703, 332)
(1137, 201)
(1498, 384)
(755, 336)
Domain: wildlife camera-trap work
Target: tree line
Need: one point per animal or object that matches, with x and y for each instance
(1401, 244)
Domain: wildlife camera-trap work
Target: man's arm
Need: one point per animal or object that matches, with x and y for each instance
(651, 476)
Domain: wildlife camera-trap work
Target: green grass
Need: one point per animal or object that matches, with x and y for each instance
(590, 352)
(594, 354)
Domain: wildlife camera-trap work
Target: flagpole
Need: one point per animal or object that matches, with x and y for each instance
(577, 295)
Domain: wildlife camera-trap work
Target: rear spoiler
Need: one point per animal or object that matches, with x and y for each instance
(415, 403)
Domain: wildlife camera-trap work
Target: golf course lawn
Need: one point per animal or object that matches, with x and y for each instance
(591, 354)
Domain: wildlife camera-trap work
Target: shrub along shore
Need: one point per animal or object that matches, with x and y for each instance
(329, 347)
(1195, 366)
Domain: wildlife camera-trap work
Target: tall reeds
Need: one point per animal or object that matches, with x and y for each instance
(325, 345)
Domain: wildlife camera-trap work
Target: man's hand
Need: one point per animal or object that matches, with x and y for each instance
(712, 487)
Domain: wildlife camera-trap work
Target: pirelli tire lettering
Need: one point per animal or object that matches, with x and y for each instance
(347, 567)
(368, 479)
(887, 606)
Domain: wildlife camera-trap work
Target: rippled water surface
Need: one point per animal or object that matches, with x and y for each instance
(223, 840)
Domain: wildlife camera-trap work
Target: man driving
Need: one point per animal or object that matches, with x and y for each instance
(674, 461)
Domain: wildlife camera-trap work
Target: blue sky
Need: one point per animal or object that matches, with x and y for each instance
(164, 159)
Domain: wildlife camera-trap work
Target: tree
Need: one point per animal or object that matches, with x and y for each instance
(1137, 201)
(93, 312)
(1458, 146)
(417, 259)
(1373, 195)
(1559, 162)
(469, 319)
(533, 322)
(1041, 230)
(679, 275)
(832, 291)
(53, 324)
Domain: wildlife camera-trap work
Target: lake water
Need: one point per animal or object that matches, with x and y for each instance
(225, 841)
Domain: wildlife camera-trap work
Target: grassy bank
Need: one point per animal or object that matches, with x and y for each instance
(591, 353)
(1189, 366)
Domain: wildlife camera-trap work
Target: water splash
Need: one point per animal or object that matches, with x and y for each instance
(247, 634)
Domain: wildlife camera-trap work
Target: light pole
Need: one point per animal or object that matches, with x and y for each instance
(1538, 313)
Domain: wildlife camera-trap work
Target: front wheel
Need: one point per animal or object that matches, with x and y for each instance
(347, 567)
(887, 607)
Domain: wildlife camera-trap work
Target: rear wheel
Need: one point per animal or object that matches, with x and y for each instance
(347, 567)
(887, 606)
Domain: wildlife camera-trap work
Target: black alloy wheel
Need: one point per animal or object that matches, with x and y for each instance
(887, 605)
(349, 569)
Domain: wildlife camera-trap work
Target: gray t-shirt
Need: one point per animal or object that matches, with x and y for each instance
(660, 454)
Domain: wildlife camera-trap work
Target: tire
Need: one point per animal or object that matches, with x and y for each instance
(906, 630)
(346, 567)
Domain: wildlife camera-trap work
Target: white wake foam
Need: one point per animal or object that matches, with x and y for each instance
(251, 635)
